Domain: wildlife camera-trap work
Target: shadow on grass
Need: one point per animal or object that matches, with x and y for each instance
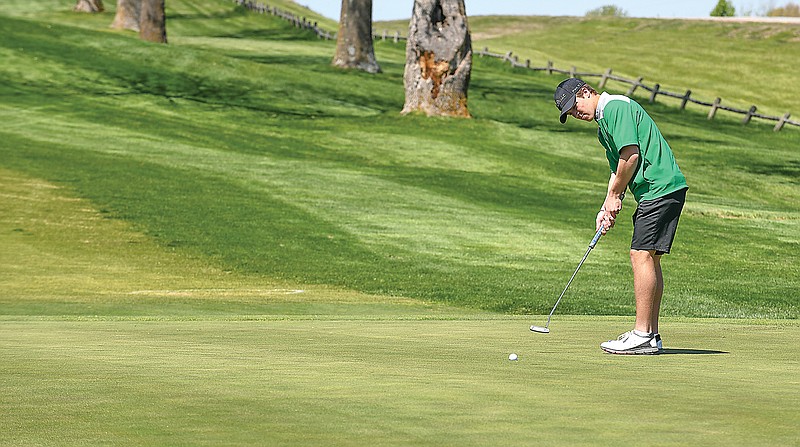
(668, 351)
(790, 169)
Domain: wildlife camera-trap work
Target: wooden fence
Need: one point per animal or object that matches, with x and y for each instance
(297, 21)
(303, 23)
(655, 90)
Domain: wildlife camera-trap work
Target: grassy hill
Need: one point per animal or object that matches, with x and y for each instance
(238, 144)
(735, 61)
(225, 241)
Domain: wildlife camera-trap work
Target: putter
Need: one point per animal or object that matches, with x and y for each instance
(546, 328)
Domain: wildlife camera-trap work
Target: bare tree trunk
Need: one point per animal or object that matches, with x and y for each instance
(127, 15)
(89, 6)
(438, 59)
(153, 21)
(354, 41)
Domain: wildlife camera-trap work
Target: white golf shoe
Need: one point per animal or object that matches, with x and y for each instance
(632, 342)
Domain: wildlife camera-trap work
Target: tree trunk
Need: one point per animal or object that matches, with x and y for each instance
(438, 59)
(153, 21)
(89, 6)
(127, 15)
(354, 41)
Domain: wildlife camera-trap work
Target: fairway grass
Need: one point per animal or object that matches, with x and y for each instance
(257, 159)
(115, 340)
(282, 380)
(75, 261)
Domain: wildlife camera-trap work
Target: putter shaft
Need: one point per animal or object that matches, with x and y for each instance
(586, 255)
(567, 287)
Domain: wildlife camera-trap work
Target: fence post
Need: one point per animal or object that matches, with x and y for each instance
(603, 81)
(385, 33)
(572, 72)
(685, 99)
(749, 115)
(396, 36)
(656, 88)
(549, 67)
(527, 63)
(781, 122)
(636, 84)
(714, 108)
(485, 51)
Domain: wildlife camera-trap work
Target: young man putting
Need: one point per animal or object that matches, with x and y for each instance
(641, 161)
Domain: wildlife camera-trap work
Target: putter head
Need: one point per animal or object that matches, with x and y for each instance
(540, 329)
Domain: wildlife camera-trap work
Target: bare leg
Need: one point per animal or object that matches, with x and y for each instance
(648, 284)
(659, 293)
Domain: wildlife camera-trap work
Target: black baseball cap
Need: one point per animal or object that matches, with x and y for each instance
(565, 96)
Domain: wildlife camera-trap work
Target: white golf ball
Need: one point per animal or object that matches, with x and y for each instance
(512, 356)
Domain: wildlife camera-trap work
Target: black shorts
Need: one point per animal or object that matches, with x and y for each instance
(656, 221)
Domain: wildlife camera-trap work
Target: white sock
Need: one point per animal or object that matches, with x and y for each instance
(643, 334)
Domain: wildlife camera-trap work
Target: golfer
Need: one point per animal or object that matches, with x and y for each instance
(641, 161)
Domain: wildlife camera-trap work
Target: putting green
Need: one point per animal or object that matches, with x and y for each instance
(301, 380)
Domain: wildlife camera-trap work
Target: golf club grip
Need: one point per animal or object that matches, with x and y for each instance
(596, 238)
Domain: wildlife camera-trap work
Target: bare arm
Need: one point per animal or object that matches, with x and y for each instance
(611, 182)
(628, 162)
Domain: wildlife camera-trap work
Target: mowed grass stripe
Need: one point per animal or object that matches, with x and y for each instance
(516, 186)
(78, 261)
(301, 183)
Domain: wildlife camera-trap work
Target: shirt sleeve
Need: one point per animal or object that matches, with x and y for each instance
(622, 125)
(612, 162)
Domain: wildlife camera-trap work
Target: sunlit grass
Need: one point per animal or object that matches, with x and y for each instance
(224, 240)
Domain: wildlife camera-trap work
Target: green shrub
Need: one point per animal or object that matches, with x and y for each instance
(607, 11)
(724, 8)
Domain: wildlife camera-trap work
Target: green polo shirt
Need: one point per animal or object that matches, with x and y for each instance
(623, 122)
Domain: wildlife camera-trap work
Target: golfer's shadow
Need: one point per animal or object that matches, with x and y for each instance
(669, 351)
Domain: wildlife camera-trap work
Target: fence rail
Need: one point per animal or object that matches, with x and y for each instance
(302, 22)
(654, 90)
(297, 21)
(635, 84)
